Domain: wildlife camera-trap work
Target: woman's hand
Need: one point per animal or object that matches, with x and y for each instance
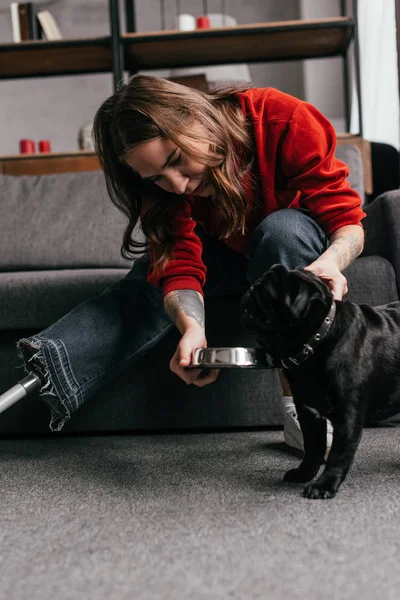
(345, 245)
(193, 338)
(329, 272)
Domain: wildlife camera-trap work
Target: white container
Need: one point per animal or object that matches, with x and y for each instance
(186, 22)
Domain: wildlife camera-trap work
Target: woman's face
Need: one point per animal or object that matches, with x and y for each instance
(162, 162)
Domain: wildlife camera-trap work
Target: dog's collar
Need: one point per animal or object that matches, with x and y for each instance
(311, 344)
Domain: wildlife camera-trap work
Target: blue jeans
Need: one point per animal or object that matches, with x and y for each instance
(103, 336)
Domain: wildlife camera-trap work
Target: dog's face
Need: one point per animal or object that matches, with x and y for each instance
(283, 307)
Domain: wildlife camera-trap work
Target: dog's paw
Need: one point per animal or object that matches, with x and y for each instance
(300, 475)
(316, 491)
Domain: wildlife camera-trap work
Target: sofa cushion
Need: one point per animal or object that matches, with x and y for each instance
(63, 221)
(371, 280)
(35, 299)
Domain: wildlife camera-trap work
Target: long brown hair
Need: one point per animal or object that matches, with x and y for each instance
(149, 107)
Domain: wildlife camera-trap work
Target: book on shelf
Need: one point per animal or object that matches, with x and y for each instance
(30, 22)
(49, 25)
(16, 31)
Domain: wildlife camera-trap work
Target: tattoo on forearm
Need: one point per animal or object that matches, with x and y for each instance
(346, 246)
(187, 301)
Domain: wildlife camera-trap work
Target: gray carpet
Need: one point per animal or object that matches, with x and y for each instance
(194, 516)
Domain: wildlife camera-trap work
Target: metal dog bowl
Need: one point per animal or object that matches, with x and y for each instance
(229, 358)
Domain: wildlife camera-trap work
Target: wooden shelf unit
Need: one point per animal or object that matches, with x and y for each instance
(47, 163)
(259, 42)
(53, 58)
(133, 52)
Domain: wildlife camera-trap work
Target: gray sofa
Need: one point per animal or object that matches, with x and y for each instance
(60, 245)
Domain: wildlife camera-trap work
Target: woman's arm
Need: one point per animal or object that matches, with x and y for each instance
(346, 244)
(186, 309)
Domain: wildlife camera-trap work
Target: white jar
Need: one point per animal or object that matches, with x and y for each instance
(186, 22)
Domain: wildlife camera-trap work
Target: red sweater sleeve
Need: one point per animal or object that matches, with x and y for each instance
(309, 163)
(186, 270)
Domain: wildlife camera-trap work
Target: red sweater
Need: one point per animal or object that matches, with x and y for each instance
(295, 166)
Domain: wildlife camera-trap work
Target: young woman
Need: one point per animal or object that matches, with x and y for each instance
(225, 184)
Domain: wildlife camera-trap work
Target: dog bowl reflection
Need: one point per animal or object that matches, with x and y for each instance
(217, 358)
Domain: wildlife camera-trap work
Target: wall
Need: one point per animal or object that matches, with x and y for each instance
(56, 107)
(323, 77)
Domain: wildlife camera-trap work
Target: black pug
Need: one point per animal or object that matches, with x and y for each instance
(342, 361)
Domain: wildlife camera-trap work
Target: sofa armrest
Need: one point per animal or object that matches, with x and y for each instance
(382, 229)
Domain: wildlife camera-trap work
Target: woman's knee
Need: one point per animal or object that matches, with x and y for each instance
(289, 237)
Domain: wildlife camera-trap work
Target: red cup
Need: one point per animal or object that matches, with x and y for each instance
(202, 23)
(27, 146)
(44, 146)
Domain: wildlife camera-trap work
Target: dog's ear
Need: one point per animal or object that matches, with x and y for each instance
(285, 289)
(283, 285)
(307, 296)
(305, 300)
(298, 302)
(274, 281)
(279, 271)
(294, 293)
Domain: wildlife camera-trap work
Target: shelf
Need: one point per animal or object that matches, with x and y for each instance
(259, 42)
(61, 57)
(47, 163)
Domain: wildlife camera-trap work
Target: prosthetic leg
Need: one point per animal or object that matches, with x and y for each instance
(26, 386)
